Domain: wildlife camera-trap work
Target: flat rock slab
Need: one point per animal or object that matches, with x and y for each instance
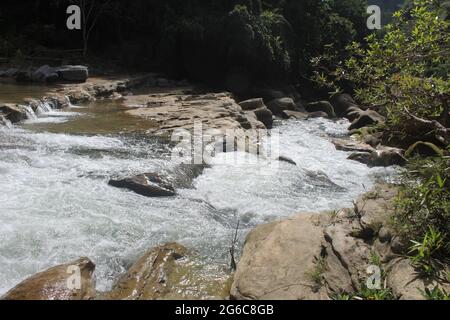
(147, 184)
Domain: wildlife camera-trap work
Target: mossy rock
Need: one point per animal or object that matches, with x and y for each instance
(424, 149)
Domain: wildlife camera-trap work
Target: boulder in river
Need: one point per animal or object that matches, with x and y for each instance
(71, 281)
(13, 112)
(265, 116)
(73, 73)
(323, 106)
(277, 106)
(288, 114)
(147, 184)
(45, 74)
(287, 160)
(380, 157)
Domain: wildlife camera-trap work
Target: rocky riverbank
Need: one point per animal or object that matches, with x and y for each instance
(309, 256)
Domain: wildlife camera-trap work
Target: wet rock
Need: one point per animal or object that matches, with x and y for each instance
(277, 106)
(318, 114)
(166, 272)
(322, 106)
(380, 157)
(45, 74)
(287, 160)
(367, 118)
(353, 113)
(277, 261)
(351, 146)
(13, 112)
(288, 114)
(147, 184)
(252, 104)
(341, 104)
(73, 73)
(58, 283)
(424, 149)
(4, 122)
(265, 116)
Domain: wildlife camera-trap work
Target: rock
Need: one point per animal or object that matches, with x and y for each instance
(367, 118)
(10, 73)
(399, 246)
(351, 146)
(277, 261)
(45, 74)
(277, 106)
(14, 113)
(4, 122)
(252, 104)
(268, 94)
(381, 157)
(353, 113)
(353, 253)
(384, 234)
(24, 76)
(79, 96)
(162, 82)
(166, 272)
(318, 114)
(73, 73)
(406, 283)
(56, 283)
(323, 106)
(265, 116)
(147, 184)
(287, 114)
(376, 207)
(373, 140)
(424, 149)
(341, 104)
(287, 160)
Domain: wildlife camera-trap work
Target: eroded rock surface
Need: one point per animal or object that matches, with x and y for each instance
(166, 272)
(58, 283)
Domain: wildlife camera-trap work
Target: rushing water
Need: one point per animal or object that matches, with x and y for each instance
(56, 205)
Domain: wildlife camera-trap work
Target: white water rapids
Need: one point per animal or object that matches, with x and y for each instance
(56, 205)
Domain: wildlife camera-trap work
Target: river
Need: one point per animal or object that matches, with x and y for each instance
(56, 205)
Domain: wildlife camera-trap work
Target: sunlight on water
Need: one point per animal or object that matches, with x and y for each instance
(56, 205)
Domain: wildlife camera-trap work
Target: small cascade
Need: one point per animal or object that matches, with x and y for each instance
(44, 107)
(29, 112)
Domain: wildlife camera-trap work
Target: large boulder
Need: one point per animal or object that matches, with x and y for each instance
(265, 116)
(277, 106)
(73, 73)
(71, 281)
(323, 106)
(167, 272)
(341, 103)
(278, 259)
(147, 184)
(367, 118)
(252, 104)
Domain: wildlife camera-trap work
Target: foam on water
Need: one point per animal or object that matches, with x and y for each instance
(56, 205)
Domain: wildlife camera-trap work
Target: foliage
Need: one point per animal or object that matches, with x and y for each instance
(402, 73)
(435, 294)
(426, 253)
(423, 212)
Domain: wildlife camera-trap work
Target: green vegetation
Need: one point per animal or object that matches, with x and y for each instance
(316, 274)
(435, 294)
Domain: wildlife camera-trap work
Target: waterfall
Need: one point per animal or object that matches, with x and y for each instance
(44, 107)
(29, 112)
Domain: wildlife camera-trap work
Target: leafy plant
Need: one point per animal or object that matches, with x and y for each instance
(435, 294)
(426, 252)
